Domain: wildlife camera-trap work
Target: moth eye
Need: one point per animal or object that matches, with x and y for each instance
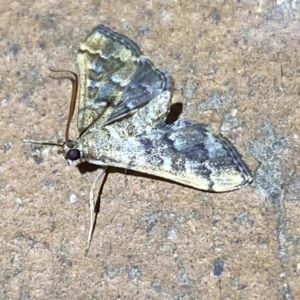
(73, 154)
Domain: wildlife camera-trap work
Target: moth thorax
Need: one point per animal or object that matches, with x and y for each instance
(72, 151)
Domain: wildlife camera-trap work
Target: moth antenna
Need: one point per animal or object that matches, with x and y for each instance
(73, 77)
(58, 143)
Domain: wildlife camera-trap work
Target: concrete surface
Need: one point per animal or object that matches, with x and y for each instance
(236, 66)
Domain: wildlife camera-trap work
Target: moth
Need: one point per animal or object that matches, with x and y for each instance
(124, 100)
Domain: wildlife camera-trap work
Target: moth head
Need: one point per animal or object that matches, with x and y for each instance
(72, 151)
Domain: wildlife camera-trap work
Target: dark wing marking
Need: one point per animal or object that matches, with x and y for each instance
(147, 83)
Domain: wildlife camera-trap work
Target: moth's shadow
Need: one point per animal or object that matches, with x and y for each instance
(174, 113)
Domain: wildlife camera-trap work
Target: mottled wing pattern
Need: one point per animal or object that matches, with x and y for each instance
(191, 153)
(184, 151)
(112, 76)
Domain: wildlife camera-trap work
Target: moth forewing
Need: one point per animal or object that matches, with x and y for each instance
(107, 61)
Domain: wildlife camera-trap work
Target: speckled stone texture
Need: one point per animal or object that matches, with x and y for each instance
(235, 65)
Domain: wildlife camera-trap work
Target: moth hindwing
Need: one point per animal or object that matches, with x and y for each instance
(124, 100)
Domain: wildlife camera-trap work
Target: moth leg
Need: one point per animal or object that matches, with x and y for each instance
(92, 207)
